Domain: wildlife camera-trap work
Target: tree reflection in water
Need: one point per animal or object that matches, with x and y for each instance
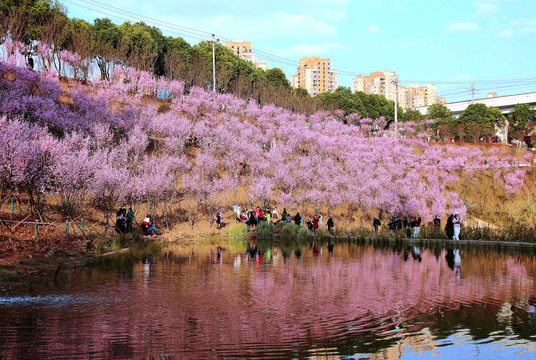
(293, 300)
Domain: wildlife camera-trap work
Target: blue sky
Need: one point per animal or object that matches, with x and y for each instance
(451, 43)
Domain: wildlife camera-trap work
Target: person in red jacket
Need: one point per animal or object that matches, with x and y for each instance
(315, 224)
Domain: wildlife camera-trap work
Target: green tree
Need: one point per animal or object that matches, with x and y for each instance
(519, 119)
(106, 38)
(137, 47)
(440, 114)
(22, 20)
(178, 56)
(413, 115)
(480, 114)
(276, 78)
(340, 99)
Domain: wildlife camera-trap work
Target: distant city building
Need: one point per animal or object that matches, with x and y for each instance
(242, 49)
(440, 100)
(379, 83)
(384, 83)
(295, 81)
(261, 65)
(315, 75)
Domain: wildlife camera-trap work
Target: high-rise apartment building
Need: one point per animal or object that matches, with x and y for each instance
(242, 49)
(385, 84)
(380, 83)
(315, 75)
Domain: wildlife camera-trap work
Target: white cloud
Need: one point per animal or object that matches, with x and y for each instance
(505, 33)
(373, 29)
(462, 26)
(486, 8)
(525, 25)
(274, 24)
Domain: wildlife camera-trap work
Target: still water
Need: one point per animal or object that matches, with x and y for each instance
(314, 301)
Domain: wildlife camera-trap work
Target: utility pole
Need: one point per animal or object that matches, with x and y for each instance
(473, 91)
(394, 81)
(214, 41)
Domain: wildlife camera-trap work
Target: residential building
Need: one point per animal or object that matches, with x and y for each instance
(260, 65)
(295, 81)
(380, 83)
(424, 95)
(242, 49)
(315, 75)
(384, 83)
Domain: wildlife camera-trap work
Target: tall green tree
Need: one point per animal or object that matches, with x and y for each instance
(519, 119)
(137, 47)
(486, 117)
(21, 20)
(105, 49)
(413, 115)
(439, 113)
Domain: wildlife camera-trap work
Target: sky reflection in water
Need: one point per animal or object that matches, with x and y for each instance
(292, 301)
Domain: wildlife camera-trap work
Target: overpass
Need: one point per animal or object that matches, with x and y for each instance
(505, 103)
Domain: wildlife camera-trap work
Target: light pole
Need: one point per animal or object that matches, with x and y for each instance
(394, 81)
(214, 41)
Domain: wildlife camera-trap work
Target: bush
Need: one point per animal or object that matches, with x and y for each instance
(432, 233)
(265, 230)
(322, 234)
(289, 231)
(238, 231)
(304, 235)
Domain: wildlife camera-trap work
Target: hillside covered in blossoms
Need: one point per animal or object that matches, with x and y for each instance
(135, 139)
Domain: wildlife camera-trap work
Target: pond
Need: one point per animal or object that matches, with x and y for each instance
(317, 301)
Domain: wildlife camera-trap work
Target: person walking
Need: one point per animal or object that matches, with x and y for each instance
(218, 220)
(456, 223)
(376, 223)
(449, 227)
(330, 225)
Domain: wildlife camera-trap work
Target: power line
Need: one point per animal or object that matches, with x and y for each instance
(168, 24)
(204, 35)
(128, 19)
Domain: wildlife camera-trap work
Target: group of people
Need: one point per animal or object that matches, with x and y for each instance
(254, 216)
(453, 227)
(147, 226)
(411, 227)
(123, 220)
